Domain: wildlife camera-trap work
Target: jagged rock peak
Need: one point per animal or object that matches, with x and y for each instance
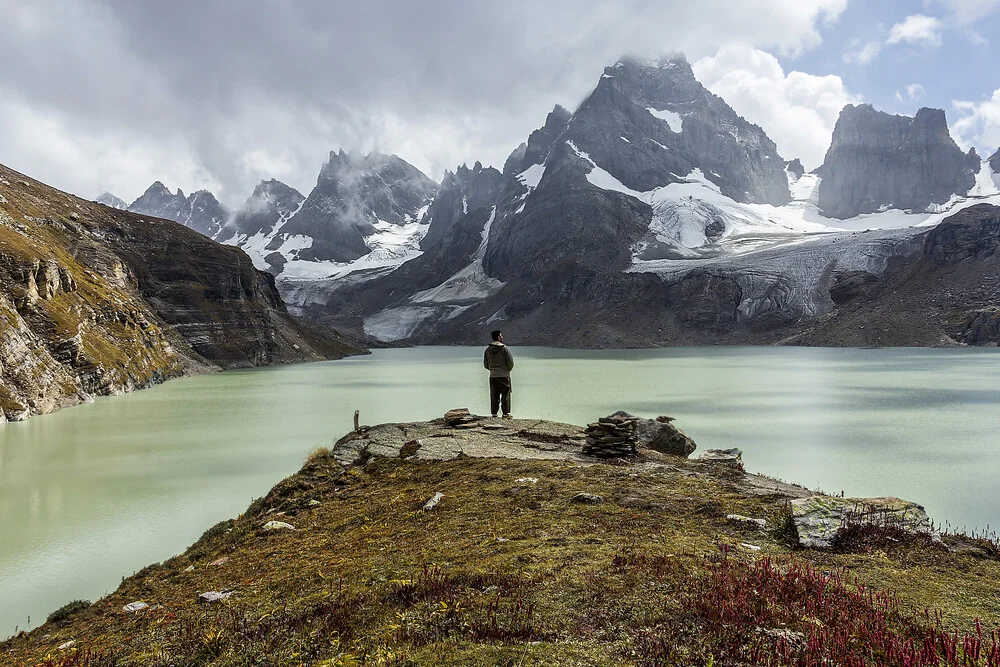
(536, 149)
(462, 192)
(201, 211)
(994, 161)
(111, 201)
(271, 202)
(878, 160)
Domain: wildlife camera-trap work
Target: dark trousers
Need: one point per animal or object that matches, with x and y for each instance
(500, 395)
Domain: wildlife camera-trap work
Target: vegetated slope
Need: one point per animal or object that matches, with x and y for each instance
(513, 566)
(94, 300)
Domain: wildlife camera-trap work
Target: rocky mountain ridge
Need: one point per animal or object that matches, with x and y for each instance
(94, 300)
(200, 211)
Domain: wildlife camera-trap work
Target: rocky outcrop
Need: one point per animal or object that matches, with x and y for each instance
(200, 211)
(98, 301)
(271, 203)
(820, 520)
(354, 193)
(994, 161)
(463, 191)
(795, 168)
(973, 233)
(878, 161)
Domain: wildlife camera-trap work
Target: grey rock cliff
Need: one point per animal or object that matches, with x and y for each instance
(200, 211)
(995, 162)
(351, 195)
(877, 160)
(463, 191)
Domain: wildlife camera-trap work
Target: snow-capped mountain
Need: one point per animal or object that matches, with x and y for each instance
(200, 211)
(653, 215)
(365, 213)
(109, 199)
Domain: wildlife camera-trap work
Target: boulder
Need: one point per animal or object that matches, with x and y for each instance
(278, 525)
(588, 499)
(433, 502)
(211, 597)
(662, 436)
(818, 519)
(729, 457)
(133, 607)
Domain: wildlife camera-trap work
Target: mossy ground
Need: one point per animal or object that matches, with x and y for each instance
(501, 572)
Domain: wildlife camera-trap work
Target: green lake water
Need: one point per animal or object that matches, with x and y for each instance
(91, 494)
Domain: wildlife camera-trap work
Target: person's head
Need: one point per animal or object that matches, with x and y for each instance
(497, 336)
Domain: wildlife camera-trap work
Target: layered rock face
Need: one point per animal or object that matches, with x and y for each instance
(352, 195)
(200, 211)
(878, 161)
(462, 191)
(98, 301)
(271, 203)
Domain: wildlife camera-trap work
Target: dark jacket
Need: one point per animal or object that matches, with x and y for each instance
(498, 360)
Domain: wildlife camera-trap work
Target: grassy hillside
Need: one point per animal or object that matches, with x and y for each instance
(514, 567)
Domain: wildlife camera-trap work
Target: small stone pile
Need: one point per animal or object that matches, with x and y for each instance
(460, 418)
(613, 436)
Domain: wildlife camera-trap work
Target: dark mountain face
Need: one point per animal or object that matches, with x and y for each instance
(650, 124)
(201, 211)
(877, 160)
(271, 202)
(352, 194)
(539, 143)
(995, 162)
(463, 191)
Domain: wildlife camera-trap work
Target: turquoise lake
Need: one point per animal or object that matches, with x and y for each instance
(91, 494)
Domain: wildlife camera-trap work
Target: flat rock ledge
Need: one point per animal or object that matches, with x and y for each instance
(658, 443)
(818, 519)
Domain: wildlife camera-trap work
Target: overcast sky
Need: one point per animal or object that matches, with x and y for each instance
(113, 94)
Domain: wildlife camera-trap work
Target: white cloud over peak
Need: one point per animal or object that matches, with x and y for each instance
(917, 29)
(911, 93)
(797, 110)
(978, 124)
(857, 54)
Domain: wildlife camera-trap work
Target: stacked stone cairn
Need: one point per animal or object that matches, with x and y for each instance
(460, 418)
(613, 436)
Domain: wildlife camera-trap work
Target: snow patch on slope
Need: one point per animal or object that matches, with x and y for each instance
(673, 119)
(987, 183)
(470, 283)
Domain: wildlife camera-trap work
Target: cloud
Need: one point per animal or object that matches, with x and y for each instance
(964, 13)
(978, 124)
(855, 54)
(797, 110)
(215, 94)
(911, 93)
(917, 29)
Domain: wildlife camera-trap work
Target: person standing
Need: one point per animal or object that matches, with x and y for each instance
(498, 360)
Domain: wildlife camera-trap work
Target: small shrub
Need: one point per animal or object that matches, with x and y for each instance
(64, 612)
